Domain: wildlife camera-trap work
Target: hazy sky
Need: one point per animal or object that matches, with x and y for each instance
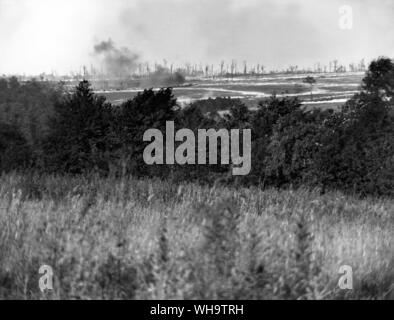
(45, 35)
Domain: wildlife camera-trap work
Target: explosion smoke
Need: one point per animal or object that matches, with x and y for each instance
(119, 62)
(163, 77)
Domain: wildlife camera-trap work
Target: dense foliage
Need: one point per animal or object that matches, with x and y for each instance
(351, 149)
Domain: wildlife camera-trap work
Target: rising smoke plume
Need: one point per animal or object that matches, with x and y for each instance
(122, 62)
(119, 62)
(163, 77)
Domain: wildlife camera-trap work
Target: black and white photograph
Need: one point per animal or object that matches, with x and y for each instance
(196, 150)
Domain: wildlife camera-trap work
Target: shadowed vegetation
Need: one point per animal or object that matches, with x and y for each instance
(146, 239)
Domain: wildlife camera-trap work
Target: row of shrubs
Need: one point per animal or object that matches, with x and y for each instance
(352, 149)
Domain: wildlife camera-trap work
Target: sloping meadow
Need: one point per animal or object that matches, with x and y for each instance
(122, 238)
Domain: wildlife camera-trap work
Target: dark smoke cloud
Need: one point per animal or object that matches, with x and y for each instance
(104, 46)
(121, 62)
(163, 77)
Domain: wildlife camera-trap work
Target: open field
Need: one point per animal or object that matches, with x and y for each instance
(134, 239)
(331, 89)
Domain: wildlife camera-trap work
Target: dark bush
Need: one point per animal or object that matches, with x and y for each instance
(80, 131)
(213, 105)
(292, 148)
(262, 124)
(358, 147)
(148, 110)
(28, 106)
(14, 150)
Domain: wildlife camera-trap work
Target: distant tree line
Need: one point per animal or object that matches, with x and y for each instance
(44, 128)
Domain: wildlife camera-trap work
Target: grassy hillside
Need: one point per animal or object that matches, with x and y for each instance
(134, 239)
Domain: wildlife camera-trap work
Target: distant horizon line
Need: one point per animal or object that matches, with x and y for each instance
(198, 67)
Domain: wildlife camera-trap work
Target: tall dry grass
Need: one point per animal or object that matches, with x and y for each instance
(148, 239)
